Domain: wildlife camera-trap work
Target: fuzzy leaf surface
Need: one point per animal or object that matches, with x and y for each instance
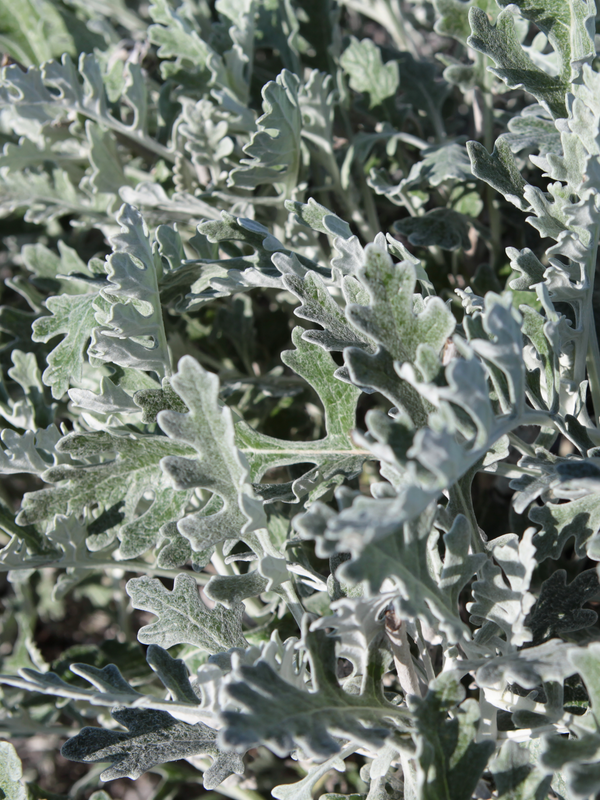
(281, 715)
(335, 456)
(153, 737)
(132, 468)
(183, 617)
(208, 429)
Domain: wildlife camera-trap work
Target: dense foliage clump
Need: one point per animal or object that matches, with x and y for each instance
(300, 399)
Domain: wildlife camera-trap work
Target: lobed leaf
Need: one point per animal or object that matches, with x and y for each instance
(183, 617)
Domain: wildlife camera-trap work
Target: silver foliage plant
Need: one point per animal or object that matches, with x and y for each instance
(451, 665)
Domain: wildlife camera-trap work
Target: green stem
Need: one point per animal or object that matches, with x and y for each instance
(369, 203)
(424, 650)
(483, 110)
(125, 566)
(293, 603)
(593, 358)
(345, 199)
(460, 500)
(523, 448)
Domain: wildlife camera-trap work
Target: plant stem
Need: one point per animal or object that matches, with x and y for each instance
(523, 448)
(293, 603)
(460, 499)
(403, 661)
(424, 651)
(483, 107)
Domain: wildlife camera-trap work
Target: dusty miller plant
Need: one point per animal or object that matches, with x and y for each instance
(251, 376)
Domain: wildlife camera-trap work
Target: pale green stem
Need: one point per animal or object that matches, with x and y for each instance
(466, 506)
(523, 448)
(424, 651)
(146, 142)
(369, 203)
(344, 197)
(484, 101)
(403, 661)
(125, 566)
(218, 562)
(287, 591)
(509, 470)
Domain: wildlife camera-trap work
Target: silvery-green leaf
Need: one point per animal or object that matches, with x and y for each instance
(449, 759)
(526, 263)
(110, 399)
(335, 456)
(513, 65)
(107, 170)
(503, 349)
(319, 218)
(64, 547)
(527, 667)
(533, 131)
(398, 323)
(303, 789)
(462, 75)
(579, 519)
(499, 170)
(34, 101)
(357, 623)
(317, 105)
(282, 716)
(453, 16)
(543, 332)
(439, 163)
(501, 591)
(11, 773)
(117, 485)
(217, 466)
(153, 737)
(109, 689)
(425, 589)
(569, 27)
(205, 133)
(517, 775)
(363, 63)
(317, 305)
(230, 590)
(177, 36)
(47, 265)
(23, 452)
(153, 401)
(441, 227)
(577, 757)
(73, 316)
(273, 153)
(35, 32)
(173, 673)
(131, 332)
(174, 550)
(558, 608)
(155, 203)
(47, 195)
(183, 617)
(279, 26)
(213, 277)
(392, 317)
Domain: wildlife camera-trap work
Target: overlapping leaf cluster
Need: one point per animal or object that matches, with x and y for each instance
(276, 344)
